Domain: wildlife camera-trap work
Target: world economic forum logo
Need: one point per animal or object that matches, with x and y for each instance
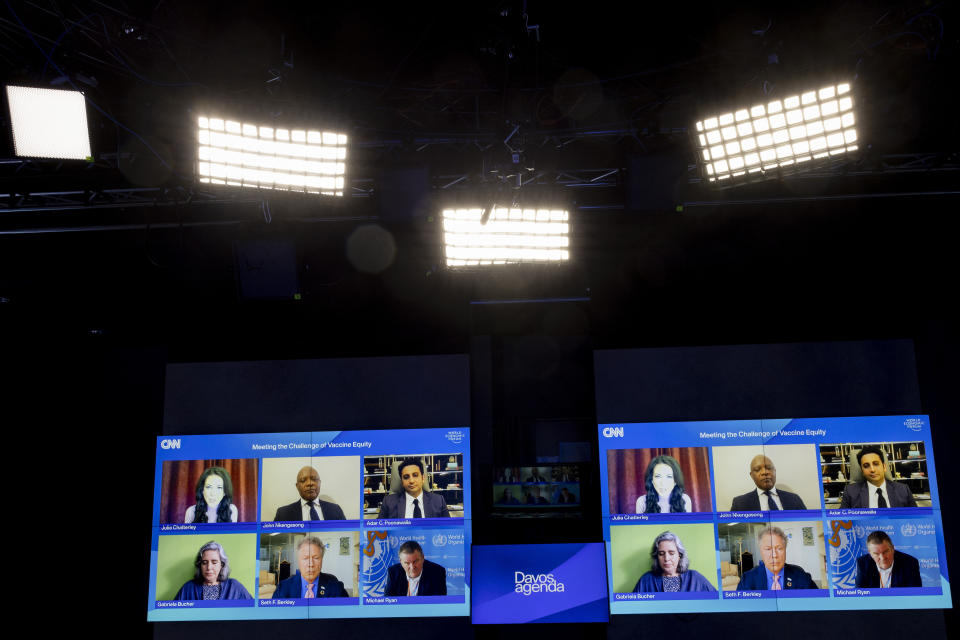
(456, 436)
(914, 424)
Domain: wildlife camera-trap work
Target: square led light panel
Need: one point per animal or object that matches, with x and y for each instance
(49, 123)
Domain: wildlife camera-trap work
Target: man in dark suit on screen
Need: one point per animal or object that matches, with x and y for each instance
(308, 485)
(766, 497)
(534, 497)
(535, 476)
(774, 574)
(883, 567)
(414, 502)
(875, 491)
(309, 581)
(414, 576)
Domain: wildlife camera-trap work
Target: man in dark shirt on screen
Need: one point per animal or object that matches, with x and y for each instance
(415, 576)
(883, 567)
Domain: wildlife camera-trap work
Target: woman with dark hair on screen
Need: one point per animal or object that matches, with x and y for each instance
(211, 580)
(214, 495)
(671, 569)
(663, 482)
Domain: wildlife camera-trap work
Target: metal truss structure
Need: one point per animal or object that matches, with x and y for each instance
(123, 198)
(889, 164)
(557, 139)
(194, 195)
(17, 198)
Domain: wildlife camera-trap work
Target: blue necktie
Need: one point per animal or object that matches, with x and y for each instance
(771, 503)
(313, 512)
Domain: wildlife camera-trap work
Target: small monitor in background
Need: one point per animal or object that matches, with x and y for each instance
(547, 490)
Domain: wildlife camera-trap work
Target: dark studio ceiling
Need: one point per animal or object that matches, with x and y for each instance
(591, 102)
(442, 85)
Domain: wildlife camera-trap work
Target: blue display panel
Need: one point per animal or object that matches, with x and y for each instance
(761, 515)
(539, 583)
(311, 525)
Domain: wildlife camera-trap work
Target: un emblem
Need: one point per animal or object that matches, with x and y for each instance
(845, 544)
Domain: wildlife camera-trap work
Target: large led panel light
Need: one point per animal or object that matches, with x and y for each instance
(510, 235)
(49, 123)
(783, 134)
(248, 155)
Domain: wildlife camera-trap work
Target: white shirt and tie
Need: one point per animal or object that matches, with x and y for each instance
(408, 512)
(305, 509)
(764, 500)
(874, 498)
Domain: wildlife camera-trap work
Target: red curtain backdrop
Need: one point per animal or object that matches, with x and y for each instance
(626, 469)
(179, 484)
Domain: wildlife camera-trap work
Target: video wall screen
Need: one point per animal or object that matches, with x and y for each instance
(760, 515)
(333, 524)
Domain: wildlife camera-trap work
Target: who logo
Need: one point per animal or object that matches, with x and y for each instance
(170, 443)
(612, 432)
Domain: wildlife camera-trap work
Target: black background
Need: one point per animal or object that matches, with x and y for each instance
(96, 302)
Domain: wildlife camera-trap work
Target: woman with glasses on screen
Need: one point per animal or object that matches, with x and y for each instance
(663, 483)
(211, 580)
(671, 568)
(214, 496)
